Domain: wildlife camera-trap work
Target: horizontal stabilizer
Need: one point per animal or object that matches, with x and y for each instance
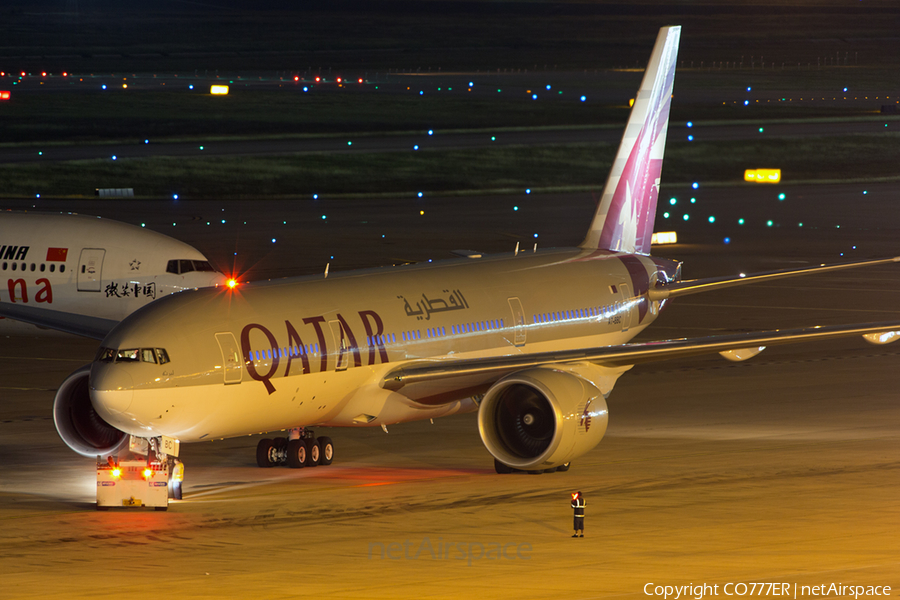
(696, 286)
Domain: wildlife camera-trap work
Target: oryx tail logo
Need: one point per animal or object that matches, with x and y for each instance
(586, 417)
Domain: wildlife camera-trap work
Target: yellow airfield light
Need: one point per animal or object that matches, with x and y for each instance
(631, 103)
(218, 90)
(763, 175)
(664, 237)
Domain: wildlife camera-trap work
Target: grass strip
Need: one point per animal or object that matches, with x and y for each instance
(452, 171)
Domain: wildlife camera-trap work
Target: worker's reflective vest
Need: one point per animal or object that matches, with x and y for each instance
(578, 505)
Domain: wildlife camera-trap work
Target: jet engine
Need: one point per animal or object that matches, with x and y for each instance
(78, 424)
(542, 418)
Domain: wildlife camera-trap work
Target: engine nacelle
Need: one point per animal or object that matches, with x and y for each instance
(78, 424)
(542, 418)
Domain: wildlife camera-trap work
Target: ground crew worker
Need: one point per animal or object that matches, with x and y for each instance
(578, 507)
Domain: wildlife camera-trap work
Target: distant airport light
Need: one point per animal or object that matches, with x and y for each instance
(296, 78)
(781, 196)
(763, 175)
(693, 201)
(664, 237)
(673, 201)
(686, 216)
(583, 98)
(339, 80)
(690, 138)
(727, 240)
(631, 103)
(218, 90)
(4, 95)
(124, 86)
(103, 86)
(690, 124)
(548, 87)
(695, 185)
(431, 132)
(665, 215)
(712, 219)
(740, 221)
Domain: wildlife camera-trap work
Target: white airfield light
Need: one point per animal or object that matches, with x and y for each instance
(218, 90)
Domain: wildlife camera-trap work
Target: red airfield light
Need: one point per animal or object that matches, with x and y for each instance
(339, 79)
(4, 95)
(296, 78)
(318, 79)
(360, 80)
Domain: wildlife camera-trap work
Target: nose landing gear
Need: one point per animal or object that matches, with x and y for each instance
(301, 449)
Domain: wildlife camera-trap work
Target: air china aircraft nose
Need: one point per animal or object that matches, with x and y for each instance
(112, 390)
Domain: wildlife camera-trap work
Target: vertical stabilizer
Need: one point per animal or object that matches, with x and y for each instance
(627, 209)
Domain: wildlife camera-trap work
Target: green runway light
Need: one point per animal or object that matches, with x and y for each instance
(769, 223)
(740, 221)
(665, 215)
(712, 219)
(781, 196)
(673, 201)
(686, 217)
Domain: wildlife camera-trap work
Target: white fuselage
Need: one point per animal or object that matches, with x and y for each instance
(315, 351)
(90, 266)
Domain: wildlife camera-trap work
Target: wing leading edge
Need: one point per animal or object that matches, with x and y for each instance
(624, 355)
(83, 325)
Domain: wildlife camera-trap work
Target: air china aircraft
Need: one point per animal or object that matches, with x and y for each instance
(75, 273)
(532, 341)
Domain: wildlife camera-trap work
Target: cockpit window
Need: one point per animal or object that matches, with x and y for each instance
(147, 355)
(131, 355)
(182, 266)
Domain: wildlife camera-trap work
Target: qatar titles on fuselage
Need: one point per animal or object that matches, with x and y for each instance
(90, 266)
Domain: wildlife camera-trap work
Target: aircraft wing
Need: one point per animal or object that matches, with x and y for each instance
(83, 325)
(490, 369)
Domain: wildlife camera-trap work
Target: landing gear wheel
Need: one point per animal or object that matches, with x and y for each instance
(501, 468)
(265, 453)
(326, 450)
(280, 443)
(313, 453)
(296, 454)
(564, 467)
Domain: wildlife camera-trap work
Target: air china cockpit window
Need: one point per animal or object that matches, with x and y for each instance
(182, 266)
(106, 355)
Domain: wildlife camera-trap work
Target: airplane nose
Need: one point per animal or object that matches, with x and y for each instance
(112, 390)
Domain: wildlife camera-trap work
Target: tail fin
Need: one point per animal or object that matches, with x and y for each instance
(627, 209)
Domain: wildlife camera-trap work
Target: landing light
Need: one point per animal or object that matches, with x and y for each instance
(148, 473)
(231, 283)
(116, 473)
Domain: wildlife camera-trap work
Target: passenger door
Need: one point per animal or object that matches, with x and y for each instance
(232, 363)
(90, 269)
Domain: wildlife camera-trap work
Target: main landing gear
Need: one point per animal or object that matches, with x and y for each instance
(300, 449)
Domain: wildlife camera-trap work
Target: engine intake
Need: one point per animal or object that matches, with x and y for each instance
(78, 424)
(542, 418)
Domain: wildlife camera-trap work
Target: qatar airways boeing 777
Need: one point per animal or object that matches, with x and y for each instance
(532, 341)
